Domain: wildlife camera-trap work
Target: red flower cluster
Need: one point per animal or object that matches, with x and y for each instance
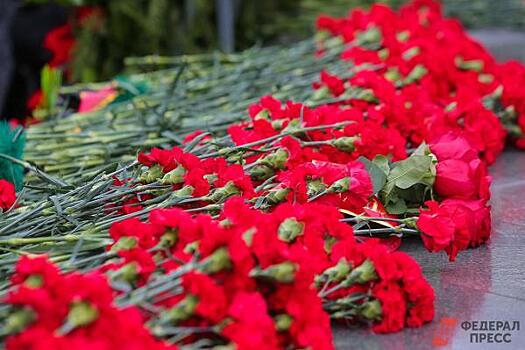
(53, 310)
(213, 179)
(265, 264)
(331, 132)
(394, 279)
(429, 76)
(463, 218)
(454, 225)
(342, 186)
(7, 195)
(460, 173)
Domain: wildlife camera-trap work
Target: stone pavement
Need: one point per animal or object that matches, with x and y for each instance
(483, 284)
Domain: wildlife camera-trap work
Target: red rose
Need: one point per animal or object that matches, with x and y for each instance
(453, 146)
(459, 179)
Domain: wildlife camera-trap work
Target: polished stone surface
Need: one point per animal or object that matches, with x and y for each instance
(504, 44)
(483, 284)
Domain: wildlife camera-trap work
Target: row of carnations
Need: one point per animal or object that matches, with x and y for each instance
(245, 280)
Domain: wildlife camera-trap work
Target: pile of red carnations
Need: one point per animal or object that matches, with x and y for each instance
(241, 280)
(261, 238)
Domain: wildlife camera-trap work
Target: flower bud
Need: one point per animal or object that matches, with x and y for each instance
(283, 322)
(191, 248)
(124, 243)
(34, 281)
(393, 75)
(341, 185)
(283, 272)
(364, 273)
(220, 194)
(127, 273)
(485, 78)
(277, 196)
(411, 223)
(290, 229)
(81, 313)
(261, 172)
(263, 114)
(18, 320)
(152, 174)
(370, 36)
(48, 211)
(383, 54)
(475, 65)
(224, 151)
(176, 176)
(225, 223)
(366, 95)
(168, 239)
(345, 144)
(371, 310)
(185, 191)
(322, 93)
(322, 35)
(294, 127)
(276, 160)
(278, 124)
(247, 236)
(180, 312)
(316, 188)
(338, 272)
(408, 54)
(218, 261)
(329, 242)
(403, 36)
(415, 74)
(511, 111)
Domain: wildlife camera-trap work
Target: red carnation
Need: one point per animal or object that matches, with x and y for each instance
(7, 195)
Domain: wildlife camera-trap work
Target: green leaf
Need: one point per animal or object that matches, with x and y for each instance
(376, 172)
(382, 162)
(51, 80)
(397, 207)
(408, 183)
(413, 170)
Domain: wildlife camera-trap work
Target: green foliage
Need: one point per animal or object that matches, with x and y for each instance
(171, 27)
(51, 80)
(137, 28)
(11, 144)
(408, 181)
